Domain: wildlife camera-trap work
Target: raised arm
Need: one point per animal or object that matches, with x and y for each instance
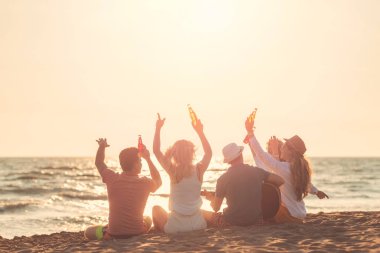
(275, 165)
(157, 144)
(156, 177)
(258, 162)
(100, 155)
(274, 147)
(198, 127)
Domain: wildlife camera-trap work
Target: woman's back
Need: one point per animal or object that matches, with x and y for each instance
(185, 196)
(186, 180)
(288, 194)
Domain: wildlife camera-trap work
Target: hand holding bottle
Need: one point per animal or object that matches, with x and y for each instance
(140, 146)
(193, 116)
(196, 123)
(249, 125)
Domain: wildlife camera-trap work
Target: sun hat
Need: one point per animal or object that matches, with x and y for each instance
(231, 152)
(297, 144)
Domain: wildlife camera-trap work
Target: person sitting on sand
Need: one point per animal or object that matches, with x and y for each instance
(274, 146)
(185, 183)
(241, 185)
(292, 167)
(127, 194)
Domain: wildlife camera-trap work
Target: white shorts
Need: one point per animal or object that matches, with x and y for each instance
(184, 223)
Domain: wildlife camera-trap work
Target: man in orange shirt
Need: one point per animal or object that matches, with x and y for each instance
(127, 194)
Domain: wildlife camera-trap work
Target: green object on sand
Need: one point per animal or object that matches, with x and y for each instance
(99, 233)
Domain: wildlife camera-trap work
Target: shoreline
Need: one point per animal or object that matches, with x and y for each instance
(322, 232)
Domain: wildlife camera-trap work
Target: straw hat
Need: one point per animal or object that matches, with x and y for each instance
(297, 144)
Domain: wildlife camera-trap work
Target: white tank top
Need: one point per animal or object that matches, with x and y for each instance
(185, 196)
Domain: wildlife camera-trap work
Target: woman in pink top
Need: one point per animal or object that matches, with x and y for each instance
(185, 183)
(127, 194)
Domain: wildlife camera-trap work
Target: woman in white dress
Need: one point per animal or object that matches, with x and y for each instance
(185, 183)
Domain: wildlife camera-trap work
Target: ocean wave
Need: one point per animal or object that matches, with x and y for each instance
(32, 190)
(87, 175)
(29, 175)
(216, 169)
(26, 191)
(26, 177)
(59, 168)
(163, 195)
(9, 205)
(83, 196)
(46, 175)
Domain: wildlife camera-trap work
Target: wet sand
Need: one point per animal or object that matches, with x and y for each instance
(323, 232)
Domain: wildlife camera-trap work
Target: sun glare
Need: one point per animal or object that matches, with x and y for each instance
(212, 16)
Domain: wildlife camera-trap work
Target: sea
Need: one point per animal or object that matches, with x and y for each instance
(47, 195)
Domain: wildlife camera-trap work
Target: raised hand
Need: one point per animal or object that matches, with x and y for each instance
(249, 125)
(102, 143)
(100, 154)
(145, 153)
(274, 146)
(160, 122)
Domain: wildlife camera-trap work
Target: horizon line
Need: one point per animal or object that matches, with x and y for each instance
(93, 156)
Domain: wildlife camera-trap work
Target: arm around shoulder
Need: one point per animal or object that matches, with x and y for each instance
(275, 179)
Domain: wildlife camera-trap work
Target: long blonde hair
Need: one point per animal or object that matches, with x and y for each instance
(180, 157)
(301, 173)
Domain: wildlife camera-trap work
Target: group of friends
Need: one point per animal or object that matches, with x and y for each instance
(283, 165)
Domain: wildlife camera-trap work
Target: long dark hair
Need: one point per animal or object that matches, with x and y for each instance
(301, 174)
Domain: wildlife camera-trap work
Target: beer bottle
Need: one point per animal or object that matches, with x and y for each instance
(140, 146)
(193, 116)
(251, 118)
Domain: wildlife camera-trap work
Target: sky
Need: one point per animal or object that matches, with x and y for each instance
(74, 71)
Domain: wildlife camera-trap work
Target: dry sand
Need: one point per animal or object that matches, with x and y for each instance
(324, 232)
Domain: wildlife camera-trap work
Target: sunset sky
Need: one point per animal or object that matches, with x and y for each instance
(73, 71)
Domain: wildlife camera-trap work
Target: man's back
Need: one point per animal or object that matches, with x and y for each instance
(127, 196)
(241, 186)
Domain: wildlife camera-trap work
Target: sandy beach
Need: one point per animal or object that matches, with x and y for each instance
(323, 232)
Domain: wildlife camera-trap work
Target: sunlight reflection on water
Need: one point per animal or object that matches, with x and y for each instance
(45, 195)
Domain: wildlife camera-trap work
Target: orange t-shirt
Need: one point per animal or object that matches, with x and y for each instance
(127, 196)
